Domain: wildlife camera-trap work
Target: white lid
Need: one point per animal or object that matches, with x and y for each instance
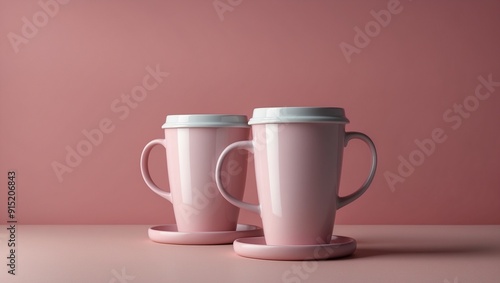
(298, 115)
(205, 121)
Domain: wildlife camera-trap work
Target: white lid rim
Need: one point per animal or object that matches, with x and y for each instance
(274, 115)
(298, 120)
(205, 121)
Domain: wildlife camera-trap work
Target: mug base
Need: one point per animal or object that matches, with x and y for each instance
(255, 247)
(168, 234)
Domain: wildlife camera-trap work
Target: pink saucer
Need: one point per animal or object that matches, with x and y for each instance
(256, 247)
(168, 234)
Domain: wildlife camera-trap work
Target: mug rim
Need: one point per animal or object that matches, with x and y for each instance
(273, 115)
(205, 121)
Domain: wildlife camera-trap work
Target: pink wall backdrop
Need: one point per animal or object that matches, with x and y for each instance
(422, 78)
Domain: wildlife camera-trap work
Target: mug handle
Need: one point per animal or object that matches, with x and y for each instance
(247, 145)
(343, 201)
(145, 168)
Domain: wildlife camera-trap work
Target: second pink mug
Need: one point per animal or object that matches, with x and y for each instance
(298, 159)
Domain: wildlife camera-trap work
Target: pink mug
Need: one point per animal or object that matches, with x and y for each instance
(193, 144)
(298, 158)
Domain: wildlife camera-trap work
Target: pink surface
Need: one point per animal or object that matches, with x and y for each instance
(123, 253)
(92, 81)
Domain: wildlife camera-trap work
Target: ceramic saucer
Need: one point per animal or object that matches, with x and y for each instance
(168, 234)
(256, 247)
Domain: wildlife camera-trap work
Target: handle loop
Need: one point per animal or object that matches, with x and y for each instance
(343, 201)
(247, 145)
(145, 169)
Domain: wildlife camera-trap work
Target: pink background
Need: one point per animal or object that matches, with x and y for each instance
(70, 71)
